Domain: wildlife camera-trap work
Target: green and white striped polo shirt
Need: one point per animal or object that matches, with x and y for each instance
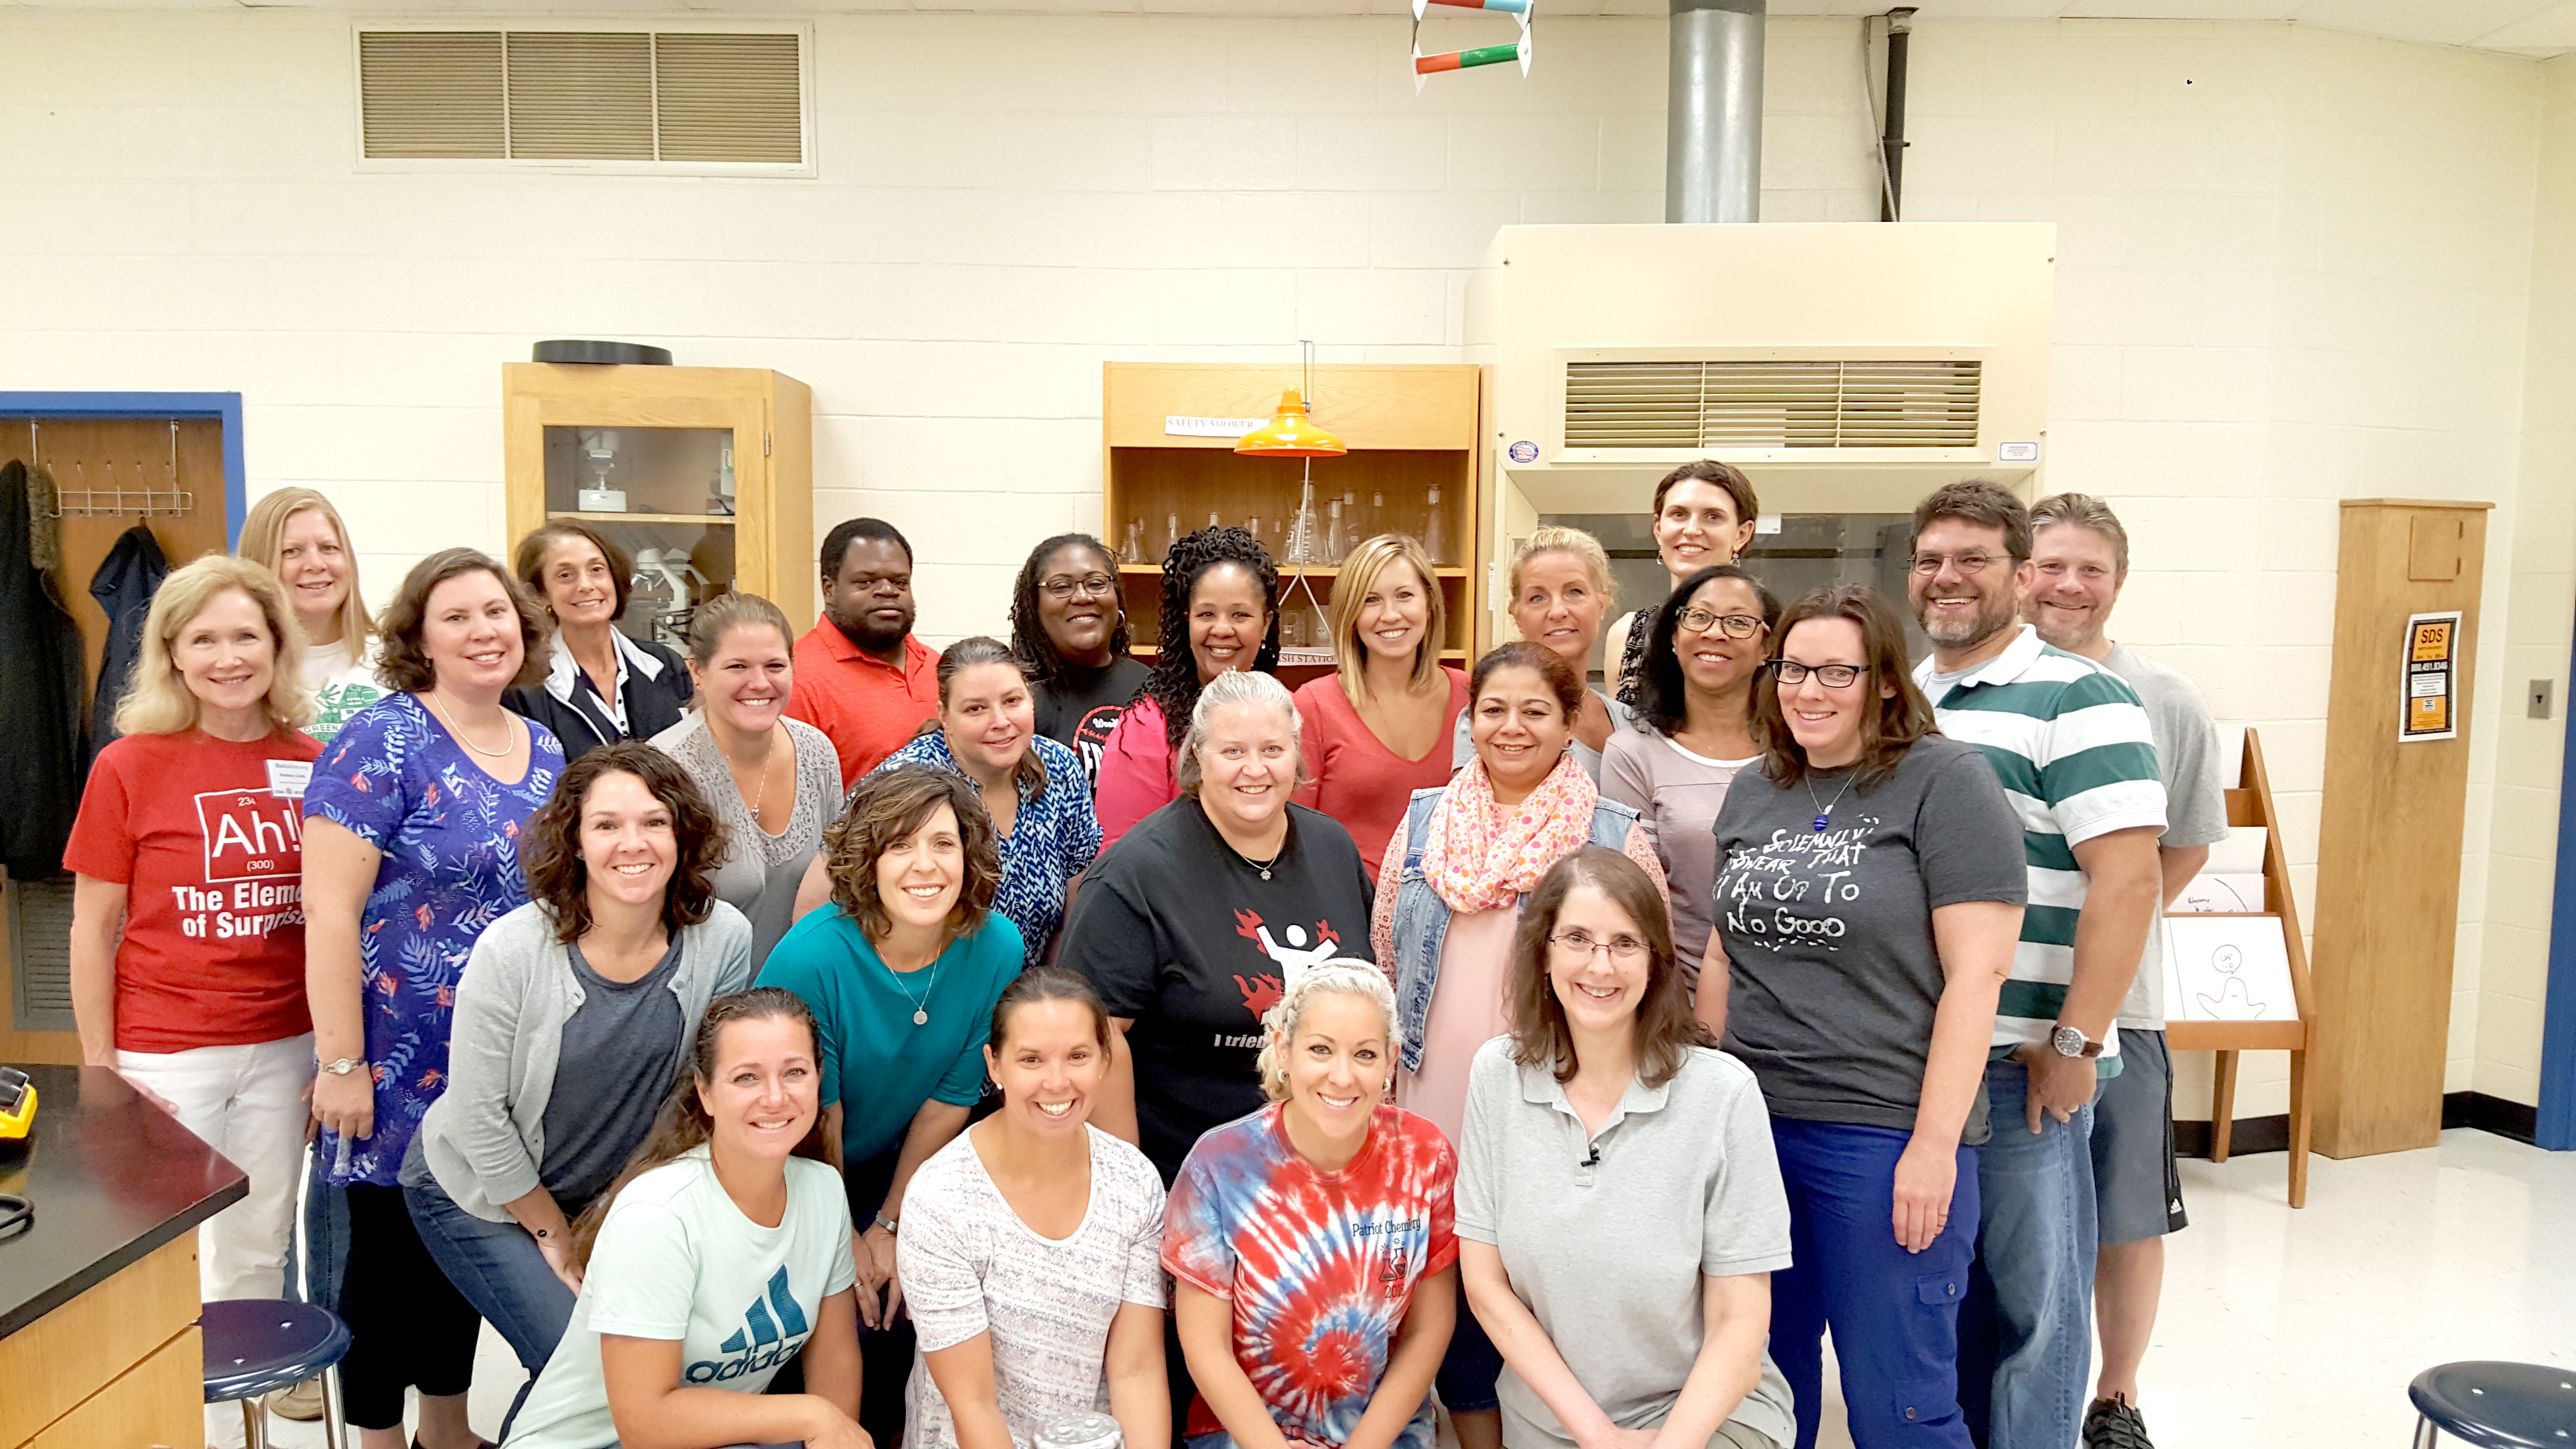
(2077, 757)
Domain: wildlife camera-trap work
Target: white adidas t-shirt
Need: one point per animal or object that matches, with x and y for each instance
(677, 1259)
(969, 1266)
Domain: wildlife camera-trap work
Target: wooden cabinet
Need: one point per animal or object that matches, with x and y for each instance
(704, 474)
(1411, 468)
(105, 1359)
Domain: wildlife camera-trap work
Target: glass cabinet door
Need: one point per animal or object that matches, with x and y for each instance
(666, 496)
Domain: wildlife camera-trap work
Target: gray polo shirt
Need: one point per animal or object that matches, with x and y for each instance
(2195, 803)
(1606, 1240)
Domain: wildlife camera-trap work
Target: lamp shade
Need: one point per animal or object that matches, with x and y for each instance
(1291, 434)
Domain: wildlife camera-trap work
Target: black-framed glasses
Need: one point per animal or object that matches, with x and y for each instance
(1733, 626)
(1969, 564)
(1089, 586)
(1831, 676)
(1579, 946)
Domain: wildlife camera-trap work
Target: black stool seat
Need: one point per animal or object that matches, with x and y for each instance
(2500, 1405)
(256, 1345)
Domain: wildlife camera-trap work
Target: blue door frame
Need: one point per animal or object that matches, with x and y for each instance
(2555, 1127)
(226, 407)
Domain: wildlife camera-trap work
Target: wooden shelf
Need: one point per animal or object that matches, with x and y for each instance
(1155, 570)
(713, 520)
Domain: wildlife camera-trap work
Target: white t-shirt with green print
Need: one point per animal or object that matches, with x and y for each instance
(341, 686)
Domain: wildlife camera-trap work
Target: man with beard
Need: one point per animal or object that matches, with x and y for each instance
(861, 678)
(2076, 755)
(2079, 560)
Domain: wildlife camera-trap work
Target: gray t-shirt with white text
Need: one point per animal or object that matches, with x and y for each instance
(1832, 974)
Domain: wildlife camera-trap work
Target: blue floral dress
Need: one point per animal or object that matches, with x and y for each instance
(397, 780)
(1052, 840)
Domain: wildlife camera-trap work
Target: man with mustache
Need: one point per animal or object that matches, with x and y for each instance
(2079, 560)
(861, 676)
(2076, 755)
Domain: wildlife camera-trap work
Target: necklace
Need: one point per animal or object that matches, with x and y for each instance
(921, 1003)
(758, 796)
(1824, 814)
(1263, 866)
(462, 738)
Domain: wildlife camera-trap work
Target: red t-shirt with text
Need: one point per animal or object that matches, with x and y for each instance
(207, 837)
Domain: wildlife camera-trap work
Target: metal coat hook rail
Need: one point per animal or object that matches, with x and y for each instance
(115, 502)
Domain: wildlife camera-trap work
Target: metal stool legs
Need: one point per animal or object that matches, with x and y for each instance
(2425, 1434)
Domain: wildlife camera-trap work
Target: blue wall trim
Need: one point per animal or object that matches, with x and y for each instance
(2555, 1128)
(226, 407)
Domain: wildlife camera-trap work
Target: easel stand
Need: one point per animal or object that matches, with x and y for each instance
(2250, 804)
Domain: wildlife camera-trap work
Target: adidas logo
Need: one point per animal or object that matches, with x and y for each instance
(773, 1328)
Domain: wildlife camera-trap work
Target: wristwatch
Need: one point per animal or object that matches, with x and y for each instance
(344, 1066)
(2073, 1043)
(886, 1223)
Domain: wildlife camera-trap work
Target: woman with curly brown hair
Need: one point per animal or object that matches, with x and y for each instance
(1220, 613)
(902, 971)
(573, 1019)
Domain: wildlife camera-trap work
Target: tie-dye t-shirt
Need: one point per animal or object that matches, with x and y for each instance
(1320, 1266)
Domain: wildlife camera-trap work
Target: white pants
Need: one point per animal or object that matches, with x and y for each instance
(246, 1102)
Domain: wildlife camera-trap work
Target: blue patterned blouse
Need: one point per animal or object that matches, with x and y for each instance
(1052, 841)
(397, 780)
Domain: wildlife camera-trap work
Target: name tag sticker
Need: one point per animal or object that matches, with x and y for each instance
(287, 778)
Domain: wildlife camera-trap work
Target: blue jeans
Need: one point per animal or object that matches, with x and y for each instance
(499, 1270)
(1894, 1314)
(325, 1249)
(2026, 1340)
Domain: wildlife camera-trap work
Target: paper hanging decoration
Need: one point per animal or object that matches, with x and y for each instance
(1425, 66)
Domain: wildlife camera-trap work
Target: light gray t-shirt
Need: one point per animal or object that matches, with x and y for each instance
(1833, 976)
(1676, 794)
(969, 1265)
(2195, 802)
(1687, 1171)
(751, 853)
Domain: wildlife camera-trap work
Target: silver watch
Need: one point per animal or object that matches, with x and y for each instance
(344, 1066)
(888, 1224)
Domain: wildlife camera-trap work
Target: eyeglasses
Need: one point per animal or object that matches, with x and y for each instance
(1734, 626)
(1089, 585)
(1579, 946)
(1831, 676)
(1971, 562)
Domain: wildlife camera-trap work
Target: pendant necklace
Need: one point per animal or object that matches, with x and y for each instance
(920, 1004)
(1824, 813)
(1262, 866)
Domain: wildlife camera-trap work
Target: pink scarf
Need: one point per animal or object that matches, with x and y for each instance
(1481, 857)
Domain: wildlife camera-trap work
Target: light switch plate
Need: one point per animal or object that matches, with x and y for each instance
(2540, 697)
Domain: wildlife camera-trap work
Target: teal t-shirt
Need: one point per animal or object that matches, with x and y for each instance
(879, 1063)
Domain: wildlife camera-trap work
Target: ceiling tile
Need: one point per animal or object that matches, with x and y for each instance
(2443, 22)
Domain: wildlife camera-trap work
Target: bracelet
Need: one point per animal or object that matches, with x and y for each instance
(888, 1224)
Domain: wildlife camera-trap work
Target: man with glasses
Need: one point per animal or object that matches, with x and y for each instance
(2076, 754)
(2079, 560)
(861, 676)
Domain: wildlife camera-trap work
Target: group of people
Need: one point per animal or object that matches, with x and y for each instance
(820, 1037)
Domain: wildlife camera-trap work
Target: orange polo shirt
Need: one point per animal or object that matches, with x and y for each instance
(867, 706)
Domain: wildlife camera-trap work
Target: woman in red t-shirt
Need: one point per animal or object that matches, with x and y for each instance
(187, 948)
(1379, 726)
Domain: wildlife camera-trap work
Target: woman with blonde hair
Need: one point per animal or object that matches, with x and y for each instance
(187, 944)
(1561, 593)
(1330, 1206)
(1372, 730)
(297, 535)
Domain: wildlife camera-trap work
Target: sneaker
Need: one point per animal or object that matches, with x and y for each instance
(302, 1402)
(2115, 1424)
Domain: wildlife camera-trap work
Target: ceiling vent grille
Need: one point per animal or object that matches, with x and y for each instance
(1687, 406)
(684, 98)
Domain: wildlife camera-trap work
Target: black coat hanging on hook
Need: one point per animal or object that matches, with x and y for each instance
(123, 586)
(40, 691)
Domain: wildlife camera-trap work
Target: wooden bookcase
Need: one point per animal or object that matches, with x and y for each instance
(671, 427)
(1410, 428)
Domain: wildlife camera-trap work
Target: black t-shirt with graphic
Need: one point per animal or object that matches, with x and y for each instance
(1087, 708)
(1174, 930)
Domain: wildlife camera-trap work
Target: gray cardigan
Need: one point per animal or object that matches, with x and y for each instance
(485, 1135)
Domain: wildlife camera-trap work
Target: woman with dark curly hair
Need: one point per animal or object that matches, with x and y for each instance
(573, 1019)
(411, 849)
(902, 970)
(1067, 623)
(1220, 612)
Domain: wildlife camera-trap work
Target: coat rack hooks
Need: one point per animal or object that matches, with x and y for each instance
(111, 500)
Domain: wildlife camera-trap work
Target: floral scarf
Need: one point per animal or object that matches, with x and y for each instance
(1480, 857)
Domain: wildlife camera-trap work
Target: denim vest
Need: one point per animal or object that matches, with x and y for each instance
(1422, 918)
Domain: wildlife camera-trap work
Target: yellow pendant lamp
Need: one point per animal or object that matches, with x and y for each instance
(1292, 432)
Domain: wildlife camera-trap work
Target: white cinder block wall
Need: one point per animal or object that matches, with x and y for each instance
(2294, 266)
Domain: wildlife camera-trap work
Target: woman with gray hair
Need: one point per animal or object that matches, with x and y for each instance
(1193, 924)
(1330, 1206)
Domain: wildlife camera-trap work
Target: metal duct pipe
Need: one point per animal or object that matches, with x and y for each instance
(1713, 112)
(1891, 142)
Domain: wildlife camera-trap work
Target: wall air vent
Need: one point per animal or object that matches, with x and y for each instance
(1712, 406)
(683, 100)
(40, 954)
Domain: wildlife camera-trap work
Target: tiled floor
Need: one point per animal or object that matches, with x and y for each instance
(2284, 1328)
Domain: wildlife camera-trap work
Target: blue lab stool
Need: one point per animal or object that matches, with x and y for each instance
(257, 1345)
(2496, 1405)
